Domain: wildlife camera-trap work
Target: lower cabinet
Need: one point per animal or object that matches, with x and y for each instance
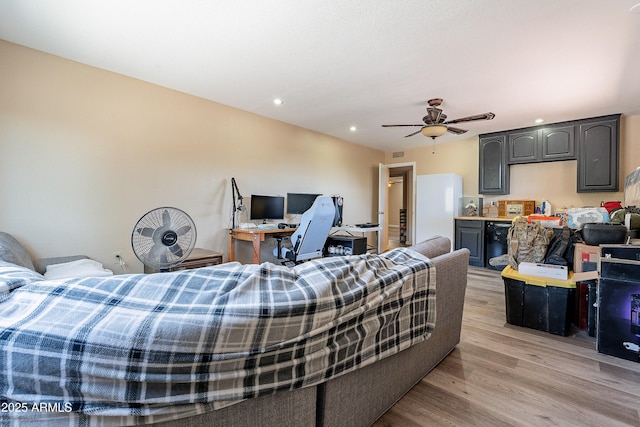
(486, 238)
(470, 235)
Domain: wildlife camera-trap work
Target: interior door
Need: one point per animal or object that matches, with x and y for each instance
(383, 206)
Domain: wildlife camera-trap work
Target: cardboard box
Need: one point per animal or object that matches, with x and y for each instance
(585, 258)
(549, 271)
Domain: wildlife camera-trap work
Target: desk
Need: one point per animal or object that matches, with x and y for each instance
(349, 229)
(256, 236)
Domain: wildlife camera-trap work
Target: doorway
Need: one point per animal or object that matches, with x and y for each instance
(396, 201)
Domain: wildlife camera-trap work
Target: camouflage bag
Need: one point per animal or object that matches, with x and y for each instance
(527, 242)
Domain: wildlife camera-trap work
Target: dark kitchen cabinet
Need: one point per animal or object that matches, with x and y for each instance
(594, 143)
(524, 146)
(493, 170)
(470, 235)
(542, 144)
(598, 147)
(558, 143)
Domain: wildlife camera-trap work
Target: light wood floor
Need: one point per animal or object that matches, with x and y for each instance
(504, 375)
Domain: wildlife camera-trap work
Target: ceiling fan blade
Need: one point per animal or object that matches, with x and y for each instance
(485, 116)
(457, 131)
(390, 126)
(414, 133)
(146, 231)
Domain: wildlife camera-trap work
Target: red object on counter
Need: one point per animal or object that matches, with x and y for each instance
(611, 206)
(550, 219)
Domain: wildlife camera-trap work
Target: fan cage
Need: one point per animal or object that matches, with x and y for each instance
(143, 246)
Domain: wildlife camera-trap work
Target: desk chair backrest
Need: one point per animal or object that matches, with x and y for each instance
(315, 224)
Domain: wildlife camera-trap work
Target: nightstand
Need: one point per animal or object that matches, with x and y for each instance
(197, 258)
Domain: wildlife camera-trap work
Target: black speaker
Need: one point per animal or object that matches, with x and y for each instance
(337, 202)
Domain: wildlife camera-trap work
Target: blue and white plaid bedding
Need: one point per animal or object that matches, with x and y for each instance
(144, 348)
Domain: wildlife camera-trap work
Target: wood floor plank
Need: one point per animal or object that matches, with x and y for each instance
(502, 375)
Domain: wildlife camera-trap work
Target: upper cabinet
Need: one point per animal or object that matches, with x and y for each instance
(542, 144)
(558, 143)
(593, 142)
(494, 170)
(598, 149)
(524, 147)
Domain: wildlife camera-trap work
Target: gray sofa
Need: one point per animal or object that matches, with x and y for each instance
(361, 397)
(354, 399)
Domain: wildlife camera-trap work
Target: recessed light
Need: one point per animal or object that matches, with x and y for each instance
(277, 101)
(353, 128)
(539, 120)
(635, 8)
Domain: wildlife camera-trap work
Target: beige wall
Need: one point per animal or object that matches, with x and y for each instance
(555, 181)
(84, 153)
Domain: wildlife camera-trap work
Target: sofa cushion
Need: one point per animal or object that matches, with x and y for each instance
(12, 251)
(433, 246)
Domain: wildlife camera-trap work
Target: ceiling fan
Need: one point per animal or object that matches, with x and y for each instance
(436, 123)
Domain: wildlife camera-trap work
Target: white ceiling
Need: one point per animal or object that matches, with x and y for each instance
(359, 63)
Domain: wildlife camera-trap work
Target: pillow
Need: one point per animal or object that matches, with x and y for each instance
(12, 251)
(79, 268)
(13, 276)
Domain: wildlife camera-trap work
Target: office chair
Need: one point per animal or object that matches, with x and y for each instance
(309, 239)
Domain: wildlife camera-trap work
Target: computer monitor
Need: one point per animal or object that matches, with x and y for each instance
(299, 203)
(266, 207)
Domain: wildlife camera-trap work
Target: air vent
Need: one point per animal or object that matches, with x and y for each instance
(397, 154)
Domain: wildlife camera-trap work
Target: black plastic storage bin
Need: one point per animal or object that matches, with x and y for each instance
(538, 302)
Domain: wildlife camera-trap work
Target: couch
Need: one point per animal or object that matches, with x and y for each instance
(361, 397)
(357, 397)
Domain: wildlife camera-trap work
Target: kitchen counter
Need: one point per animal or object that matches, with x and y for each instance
(483, 218)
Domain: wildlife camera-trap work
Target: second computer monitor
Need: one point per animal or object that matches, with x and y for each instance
(299, 203)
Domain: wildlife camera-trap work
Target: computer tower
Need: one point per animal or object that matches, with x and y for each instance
(338, 201)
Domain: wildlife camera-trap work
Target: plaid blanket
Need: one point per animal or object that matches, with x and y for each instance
(139, 348)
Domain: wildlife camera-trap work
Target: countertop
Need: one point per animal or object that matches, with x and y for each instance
(484, 218)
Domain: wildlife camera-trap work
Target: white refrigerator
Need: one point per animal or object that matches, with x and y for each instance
(437, 203)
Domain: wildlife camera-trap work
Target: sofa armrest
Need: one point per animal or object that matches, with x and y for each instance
(433, 246)
(362, 396)
(42, 263)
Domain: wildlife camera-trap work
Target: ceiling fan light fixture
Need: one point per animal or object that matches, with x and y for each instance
(434, 131)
